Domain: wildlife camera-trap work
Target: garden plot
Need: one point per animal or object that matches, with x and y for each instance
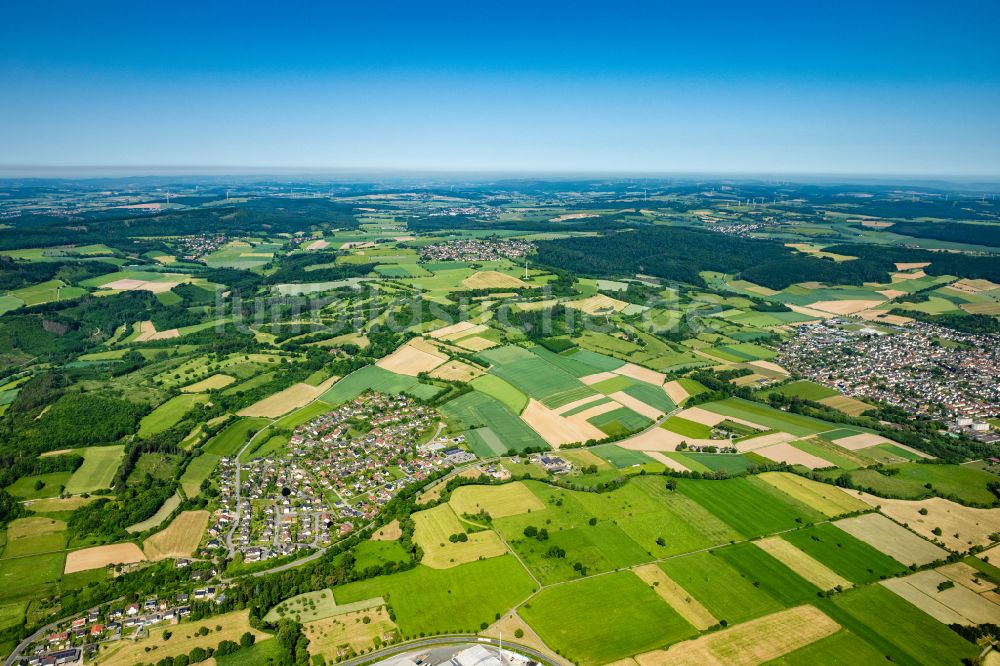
(973, 527)
(952, 605)
(750, 643)
(101, 556)
(892, 539)
(412, 358)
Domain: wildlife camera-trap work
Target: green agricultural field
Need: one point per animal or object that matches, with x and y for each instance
(8, 303)
(46, 292)
(750, 506)
(28, 577)
(850, 557)
(495, 428)
(897, 628)
(233, 437)
(12, 614)
(841, 648)
(619, 422)
(374, 378)
(768, 417)
(617, 383)
(768, 574)
(54, 482)
(654, 396)
(733, 463)
(599, 620)
(836, 456)
(804, 389)
(578, 367)
(620, 457)
(455, 600)
(727, 593)
(377, 553)
(169, 413)
(687, 428)
(100, 464)
(692, 386)
(33, 536)
(597, 548)
(497, 388)
(536, 377)
(962, 482)
(597, 362)
(199, 469)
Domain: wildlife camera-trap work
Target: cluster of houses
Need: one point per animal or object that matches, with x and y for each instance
(922, 368)
(70, 642)
(471, 249)
(337, 472)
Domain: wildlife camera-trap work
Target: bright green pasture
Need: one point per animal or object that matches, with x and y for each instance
(620, 457)
(687, 428)
(100, 463)
(231, 439)
(620, 421)
(493, 386)
(199, 469)
(601, 619)
(804, 389)
(842, 647)
(32, 576)
(24, 488)
(169, 413)
(768, 574)
(455, 600)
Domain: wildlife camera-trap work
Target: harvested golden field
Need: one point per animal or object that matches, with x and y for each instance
(341, 635)
(476, 343)
(184, 638)
(669, 463)
(862, 441)
(801, 563)
(966, 576)
(599, 304)
(676, 596)
(597, 377)
(844, 307)
(900, 266)
(892, 539)
(660, 439)
(434, 527)
(282, 402)
(555, 429)
(829, 500)
(101, 556)
(787, 453)
(209, 384)
(456, 371)
(750, 643)
(180, 538)
(973, 527)
(755, 443)
(388, 532)
(954, 605)
(141, 285)
(492, 280)
(578, 403)
(409, 360)
(317, 245)
(510, 499)
(675, 391)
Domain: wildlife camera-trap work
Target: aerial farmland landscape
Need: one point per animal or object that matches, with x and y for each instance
(444, 336)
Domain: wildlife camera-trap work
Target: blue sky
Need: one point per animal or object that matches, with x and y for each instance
(754, 87)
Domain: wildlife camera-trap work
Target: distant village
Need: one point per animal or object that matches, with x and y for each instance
(471, 249)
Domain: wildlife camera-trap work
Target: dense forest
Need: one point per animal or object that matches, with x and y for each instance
(680, 255)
